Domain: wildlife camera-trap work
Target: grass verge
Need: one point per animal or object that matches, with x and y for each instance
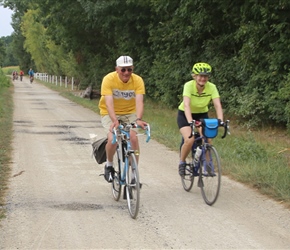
(10, 69)
(6, 122)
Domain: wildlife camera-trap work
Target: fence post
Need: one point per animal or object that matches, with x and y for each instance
(65, 82)
(60, 80)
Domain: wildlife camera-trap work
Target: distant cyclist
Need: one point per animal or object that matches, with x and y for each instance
(14, 75)
(21, 73)
(197, 94)
(31, 75)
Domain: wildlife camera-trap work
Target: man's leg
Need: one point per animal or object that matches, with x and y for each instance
(110, 150)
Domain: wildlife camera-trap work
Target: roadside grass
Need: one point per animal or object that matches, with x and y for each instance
(10, 69)
(259, 161)
(6, 123)
(258, 158)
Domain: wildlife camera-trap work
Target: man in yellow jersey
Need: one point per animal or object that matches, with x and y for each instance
(197, 95)
(122, 99)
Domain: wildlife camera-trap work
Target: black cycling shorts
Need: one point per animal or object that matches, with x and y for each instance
(182, 121)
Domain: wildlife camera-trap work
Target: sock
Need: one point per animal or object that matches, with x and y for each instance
(109, 164)
(181, 162)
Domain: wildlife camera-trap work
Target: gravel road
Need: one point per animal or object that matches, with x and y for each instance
(57, 200)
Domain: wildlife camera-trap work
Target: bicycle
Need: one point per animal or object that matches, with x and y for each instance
(126, 168)
(207, 165)
(31, 78)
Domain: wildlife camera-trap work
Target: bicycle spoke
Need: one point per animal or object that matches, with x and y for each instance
(133, 187)
(210, 176)
(116, 185)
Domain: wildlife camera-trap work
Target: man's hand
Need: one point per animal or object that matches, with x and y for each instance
(141, 123)
(115, 124)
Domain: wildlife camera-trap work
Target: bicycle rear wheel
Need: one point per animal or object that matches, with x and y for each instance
(133, 187)
(210, 175)
(188, 178)
(116, 185)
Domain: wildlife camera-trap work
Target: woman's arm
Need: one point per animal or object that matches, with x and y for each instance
(218, 108)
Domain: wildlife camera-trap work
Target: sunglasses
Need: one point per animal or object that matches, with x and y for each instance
(128, 69)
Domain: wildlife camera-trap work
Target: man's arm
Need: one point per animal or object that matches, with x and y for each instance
(140, 110)
(139, 106)
(111, 111)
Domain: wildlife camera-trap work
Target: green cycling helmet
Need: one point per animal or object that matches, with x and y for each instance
(201, 69)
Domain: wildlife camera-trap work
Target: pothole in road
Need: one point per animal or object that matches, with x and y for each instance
(77, 140)
(78, 206)
(39, 103)
(96, 123)
(23, 122)
(82, 121)
(61, 126)
(41, 132)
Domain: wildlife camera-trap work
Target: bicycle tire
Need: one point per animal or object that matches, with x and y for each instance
(132, 186)
(210, 182)
(116, 185)
(188, 179)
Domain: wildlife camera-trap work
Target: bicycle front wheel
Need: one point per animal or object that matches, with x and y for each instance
(116, 184)
(210, 175)
(133, 186)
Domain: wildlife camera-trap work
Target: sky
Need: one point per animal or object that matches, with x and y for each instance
(5, 20)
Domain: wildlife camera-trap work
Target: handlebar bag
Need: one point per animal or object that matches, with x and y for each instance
(99, 150)
(210, 127)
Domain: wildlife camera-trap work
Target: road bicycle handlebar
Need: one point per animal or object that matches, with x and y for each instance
(127, 128)
(225, 125)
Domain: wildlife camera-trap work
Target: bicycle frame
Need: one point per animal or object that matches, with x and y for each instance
(124, 135)
(207, 167)
(124, 164)
(127, 174)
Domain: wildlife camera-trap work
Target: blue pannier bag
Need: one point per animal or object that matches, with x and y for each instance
(210, 127)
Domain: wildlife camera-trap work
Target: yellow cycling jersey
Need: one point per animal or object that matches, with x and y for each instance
(199, 102)
(123, 93)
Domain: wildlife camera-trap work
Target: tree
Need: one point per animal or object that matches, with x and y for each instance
(244, 41)
(2, 52)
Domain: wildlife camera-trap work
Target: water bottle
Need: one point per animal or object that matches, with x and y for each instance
(197, 155)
